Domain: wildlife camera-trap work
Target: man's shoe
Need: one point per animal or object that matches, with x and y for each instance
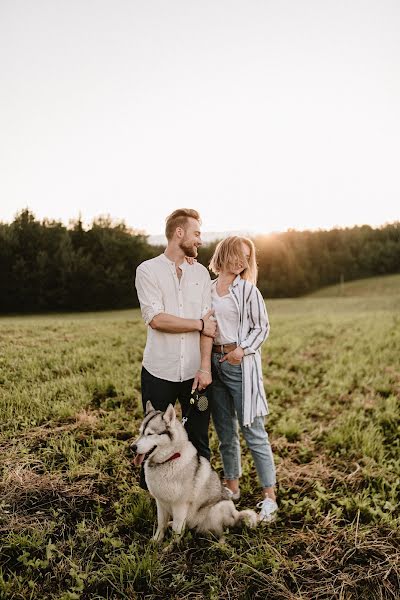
(232, 495)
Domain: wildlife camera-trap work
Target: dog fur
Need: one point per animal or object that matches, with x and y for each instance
(182, 482)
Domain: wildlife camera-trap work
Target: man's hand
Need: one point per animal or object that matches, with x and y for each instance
(234, 357)
(210, 324)
(202, 379)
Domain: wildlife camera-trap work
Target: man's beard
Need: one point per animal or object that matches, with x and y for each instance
(189, 249)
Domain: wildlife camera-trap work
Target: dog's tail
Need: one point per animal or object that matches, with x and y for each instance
(248, 517)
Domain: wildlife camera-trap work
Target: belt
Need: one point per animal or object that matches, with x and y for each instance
(223, 348)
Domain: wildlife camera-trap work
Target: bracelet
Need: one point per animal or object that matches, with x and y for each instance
(204, 371)
(202, 325)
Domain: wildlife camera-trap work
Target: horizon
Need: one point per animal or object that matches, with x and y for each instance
(207, 235)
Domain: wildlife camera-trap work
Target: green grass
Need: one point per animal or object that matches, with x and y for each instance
(75, 525)
(374, 286)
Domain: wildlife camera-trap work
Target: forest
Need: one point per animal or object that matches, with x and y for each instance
(47, 266)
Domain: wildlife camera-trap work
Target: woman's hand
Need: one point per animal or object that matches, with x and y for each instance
(190, 260)
(234, 357)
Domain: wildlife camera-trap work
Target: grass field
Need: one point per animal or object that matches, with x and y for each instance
(75, 525)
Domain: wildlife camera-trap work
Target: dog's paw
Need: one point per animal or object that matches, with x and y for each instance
(175, 543)
(158, 537)
(222, 541)
(249, 518)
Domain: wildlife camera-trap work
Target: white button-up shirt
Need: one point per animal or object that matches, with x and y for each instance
(172, 356)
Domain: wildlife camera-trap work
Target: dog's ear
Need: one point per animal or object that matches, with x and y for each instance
(149, 407)
(169, 415)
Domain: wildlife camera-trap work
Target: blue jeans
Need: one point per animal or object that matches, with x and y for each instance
(226, 409)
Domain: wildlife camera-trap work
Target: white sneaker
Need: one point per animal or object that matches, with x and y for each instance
(232, 495)
(268, 510)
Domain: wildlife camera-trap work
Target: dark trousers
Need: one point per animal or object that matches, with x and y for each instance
(161, 392)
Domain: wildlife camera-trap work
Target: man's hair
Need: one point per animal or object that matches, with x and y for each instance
(179, 218)
(229, 252)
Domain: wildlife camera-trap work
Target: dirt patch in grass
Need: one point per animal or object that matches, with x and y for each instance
(25, 493)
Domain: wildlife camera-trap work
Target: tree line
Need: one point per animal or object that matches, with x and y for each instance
(46, 266)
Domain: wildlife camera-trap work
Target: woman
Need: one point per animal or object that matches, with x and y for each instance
(237, 393)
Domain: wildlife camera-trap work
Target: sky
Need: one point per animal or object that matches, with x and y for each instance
(262, 115)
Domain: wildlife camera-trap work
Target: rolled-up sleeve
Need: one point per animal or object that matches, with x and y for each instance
(149, 294)
(259, 323)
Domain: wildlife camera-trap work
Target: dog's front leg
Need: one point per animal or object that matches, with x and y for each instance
(162, 522)
(179, 514)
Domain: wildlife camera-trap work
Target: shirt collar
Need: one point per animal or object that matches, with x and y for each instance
(233, 284)
(165, 258)
(236, 281)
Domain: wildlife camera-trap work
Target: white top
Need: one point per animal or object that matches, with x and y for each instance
(172, 356)
(227, 316)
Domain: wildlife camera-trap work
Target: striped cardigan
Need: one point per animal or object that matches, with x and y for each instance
(253, 330)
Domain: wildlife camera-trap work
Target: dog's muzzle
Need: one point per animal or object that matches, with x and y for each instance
(140, 458)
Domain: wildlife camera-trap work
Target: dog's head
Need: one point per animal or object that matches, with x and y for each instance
(156, 431)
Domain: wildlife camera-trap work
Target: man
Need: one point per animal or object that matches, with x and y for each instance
(175, 300)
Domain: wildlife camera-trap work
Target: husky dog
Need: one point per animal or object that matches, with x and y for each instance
(182, 482)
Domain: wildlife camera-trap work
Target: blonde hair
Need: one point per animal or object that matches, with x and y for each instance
(179, 218)
(229, 252)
